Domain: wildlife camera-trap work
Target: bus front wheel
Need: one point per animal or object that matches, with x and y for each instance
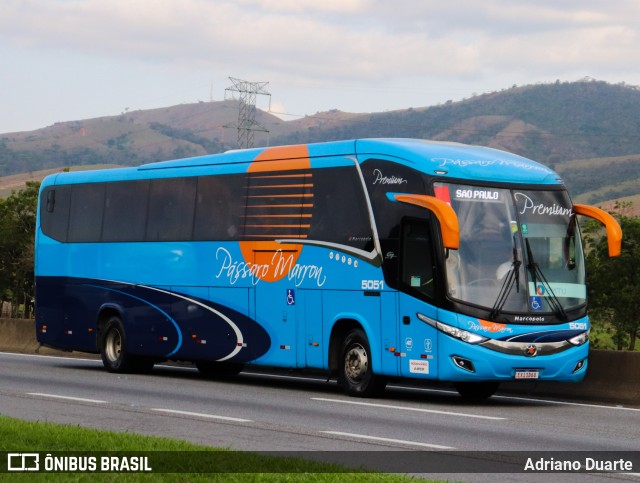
(355, 373)
(113, 349)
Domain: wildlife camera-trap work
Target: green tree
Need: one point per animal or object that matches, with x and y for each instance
(614, 282)
(17, 231)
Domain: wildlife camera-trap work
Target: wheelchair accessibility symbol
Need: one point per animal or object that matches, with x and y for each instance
(535, 302)
(291, 296)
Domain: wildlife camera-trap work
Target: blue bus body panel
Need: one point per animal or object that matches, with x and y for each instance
(160, 323)
(424, 352)
(495, 365)
(491, 365)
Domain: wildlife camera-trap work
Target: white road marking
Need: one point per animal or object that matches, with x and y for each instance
(67, 398)
(201, 415)
(388, 440)
(569, 403)
(283, 376)
(405, 408)
(44, 356)
(416, 389)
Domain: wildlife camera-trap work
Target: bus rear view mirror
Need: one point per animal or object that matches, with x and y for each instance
(614, 232)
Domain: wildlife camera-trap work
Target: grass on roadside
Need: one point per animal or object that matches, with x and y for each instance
(181, 460)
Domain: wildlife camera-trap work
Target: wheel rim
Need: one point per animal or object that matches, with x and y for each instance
(356, 363)
(113, 345)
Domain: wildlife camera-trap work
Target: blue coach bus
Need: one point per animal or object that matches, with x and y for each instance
(369, 259)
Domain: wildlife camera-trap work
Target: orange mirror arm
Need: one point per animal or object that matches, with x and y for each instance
(614, 232)
(444, 213)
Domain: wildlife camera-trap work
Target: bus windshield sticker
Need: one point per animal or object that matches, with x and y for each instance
(477, 194)
(528, 206)
(535, 302)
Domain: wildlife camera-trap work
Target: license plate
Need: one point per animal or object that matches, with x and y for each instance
(527, 374)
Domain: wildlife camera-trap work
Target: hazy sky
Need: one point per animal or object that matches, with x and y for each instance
(64, 60)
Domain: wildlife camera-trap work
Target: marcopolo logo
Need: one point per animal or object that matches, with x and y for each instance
(23, 462)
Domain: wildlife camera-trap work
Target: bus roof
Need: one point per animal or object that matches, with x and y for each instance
(460, 161)
(442, 159)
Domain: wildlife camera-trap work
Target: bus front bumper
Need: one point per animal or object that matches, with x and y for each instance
(460, 361)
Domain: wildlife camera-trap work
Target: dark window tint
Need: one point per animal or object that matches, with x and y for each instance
(318, 204)
(125, 211)
(417, 259)
(54, 212)
(219, 207)
(85, 216)
(382, 177)
(340, 213)
(171, 209)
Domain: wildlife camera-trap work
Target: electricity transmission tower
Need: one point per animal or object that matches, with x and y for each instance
(247, 124)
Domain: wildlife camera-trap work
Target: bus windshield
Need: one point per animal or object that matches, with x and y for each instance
(519, 250)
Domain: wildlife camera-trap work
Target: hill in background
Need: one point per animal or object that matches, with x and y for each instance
(587, 131)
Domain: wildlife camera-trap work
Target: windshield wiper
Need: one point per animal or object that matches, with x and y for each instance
(536, 274)
(513, 277)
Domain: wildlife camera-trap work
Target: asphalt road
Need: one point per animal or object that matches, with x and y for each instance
(281, 411)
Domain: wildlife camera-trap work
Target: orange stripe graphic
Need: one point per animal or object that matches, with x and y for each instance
(282, 159)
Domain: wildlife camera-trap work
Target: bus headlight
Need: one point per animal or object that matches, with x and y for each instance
(580, 338)
(463, 335)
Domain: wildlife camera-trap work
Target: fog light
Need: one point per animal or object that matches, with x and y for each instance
(462, 363)
(579, 365)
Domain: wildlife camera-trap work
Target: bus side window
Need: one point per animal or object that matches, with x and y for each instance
(417, 270)
(51, 200)
(125, 211)
(340, 213)
(219, 205)
(85, 218)
(171, 209)
(55, 212)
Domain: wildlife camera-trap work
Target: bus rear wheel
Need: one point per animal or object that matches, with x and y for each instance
(113, 349)
(477, 391)
(355, 373)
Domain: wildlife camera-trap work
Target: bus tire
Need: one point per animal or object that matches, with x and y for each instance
(113, 350)
(213, 369)
(477, 391)
(355, 373)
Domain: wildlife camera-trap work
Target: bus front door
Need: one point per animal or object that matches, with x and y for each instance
(418, 339)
